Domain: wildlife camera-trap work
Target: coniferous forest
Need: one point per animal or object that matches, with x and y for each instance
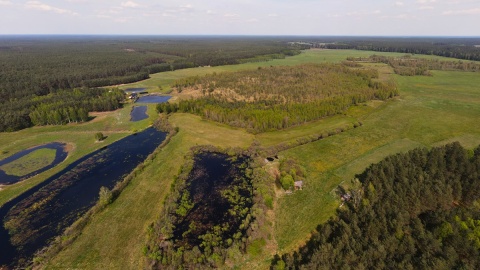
(32, 68)
(418, 210)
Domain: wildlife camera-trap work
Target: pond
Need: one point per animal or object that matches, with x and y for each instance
(153, 99)
(34, 218)
(138, 113)
(60, 155)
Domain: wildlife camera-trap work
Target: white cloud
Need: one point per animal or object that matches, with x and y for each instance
(426, 1)
(363, 13)
(230, 15)
(5, 3)
(426, 7)
(473, 11)
(37, 5)
(399, 4)
(273, 15)
(130, 4)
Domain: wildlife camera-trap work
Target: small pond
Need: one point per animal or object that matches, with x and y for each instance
(34, 218)
(153, 99)
(60, 155)
(138, 113)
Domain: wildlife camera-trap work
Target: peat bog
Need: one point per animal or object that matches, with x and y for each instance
(210, 210)
(31, 220)
(213, 177)
(60, 155)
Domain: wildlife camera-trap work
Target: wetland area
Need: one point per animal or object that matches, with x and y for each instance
(31, 220)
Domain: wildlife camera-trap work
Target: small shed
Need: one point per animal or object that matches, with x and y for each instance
(298, 185)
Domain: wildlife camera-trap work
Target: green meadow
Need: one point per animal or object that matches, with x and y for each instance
(430, 111)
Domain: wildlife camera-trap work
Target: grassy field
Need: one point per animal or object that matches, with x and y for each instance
(430, 111)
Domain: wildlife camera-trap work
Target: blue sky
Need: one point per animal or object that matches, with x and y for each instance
(242, 17)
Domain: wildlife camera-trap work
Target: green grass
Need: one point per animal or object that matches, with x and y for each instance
(29, 163)
(430, 111)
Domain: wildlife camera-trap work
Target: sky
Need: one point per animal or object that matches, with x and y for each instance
(242, 17)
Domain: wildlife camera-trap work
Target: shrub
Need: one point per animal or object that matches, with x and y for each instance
(99, 136)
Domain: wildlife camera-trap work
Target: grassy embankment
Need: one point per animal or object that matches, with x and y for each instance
(430, 110)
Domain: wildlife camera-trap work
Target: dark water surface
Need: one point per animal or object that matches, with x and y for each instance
(60, 155)
(138, 113)
(153, 99)
(43, 212)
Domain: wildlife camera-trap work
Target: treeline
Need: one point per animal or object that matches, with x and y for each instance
(280, 97)
(59, 107)
(461, 48)
(418, 210)
(38, 65)
(411, 66)
(212, 214)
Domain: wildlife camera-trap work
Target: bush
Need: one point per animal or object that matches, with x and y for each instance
(287, 182)
(99, 136)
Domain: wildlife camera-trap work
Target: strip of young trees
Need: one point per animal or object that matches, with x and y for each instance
(461, 48)
(280, 97)
(418, 210)
(411, 66)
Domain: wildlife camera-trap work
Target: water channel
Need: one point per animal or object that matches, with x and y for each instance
(60, 155)
(45, 211)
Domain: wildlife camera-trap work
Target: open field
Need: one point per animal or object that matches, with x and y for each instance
(430, 111)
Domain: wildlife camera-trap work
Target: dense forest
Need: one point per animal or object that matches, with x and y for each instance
(418, 210)
(213, 214)
(279, 97)
(57, 108)
(31, 67)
